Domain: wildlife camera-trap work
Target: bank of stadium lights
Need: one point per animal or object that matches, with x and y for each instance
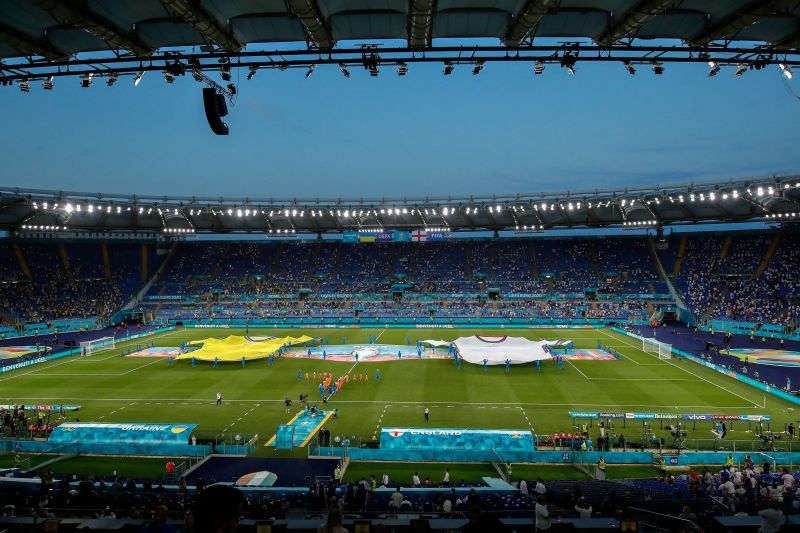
(639, 223)
(279, 231)
(86, 80)
(178, 230)
(527, 227)
(402, 69)
(37, 227)
(169, 78)
(252, 72)
(311, 70)
(741, 68)
(24, 86)
(48, 84)
(538, 68)
(138, 78)
(477, 68)
(713, 68)
(112, 79)
(786, 71)
(779, 216)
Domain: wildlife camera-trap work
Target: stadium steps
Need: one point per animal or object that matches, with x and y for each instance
(62, 252)
(676, 270)
(390, 263)
(726, 248)
(492, 261)
(591, 253)
(106, 260)
(773, 246)
(532, 259)
(469, 269)
(23, 264)
(222, 258)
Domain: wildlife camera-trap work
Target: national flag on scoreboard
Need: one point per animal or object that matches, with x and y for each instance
(367, 238)
(419, 236)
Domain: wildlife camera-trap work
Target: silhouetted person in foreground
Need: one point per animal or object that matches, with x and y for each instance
(217, 509)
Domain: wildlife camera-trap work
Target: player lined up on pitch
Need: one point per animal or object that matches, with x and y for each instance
(328, 387)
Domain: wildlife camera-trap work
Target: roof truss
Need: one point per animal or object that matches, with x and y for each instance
(28, 45)
(635, 19)
(313, 22)
(68, 12)
(742, 20)
(420, 23)
(205, 23)
(526, 21)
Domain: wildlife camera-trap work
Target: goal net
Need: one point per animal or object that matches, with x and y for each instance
(663, 350)
(94, 345)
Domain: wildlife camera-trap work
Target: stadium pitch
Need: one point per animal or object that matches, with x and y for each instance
(112, 388)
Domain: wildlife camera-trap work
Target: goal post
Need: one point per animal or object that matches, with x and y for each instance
(663, 349)
(94, 345)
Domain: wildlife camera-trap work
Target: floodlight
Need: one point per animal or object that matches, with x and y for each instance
(344, 70)
(714, 69)
(112, 79)
(741, 68)
(538, 68)
(310, 70)
(24, 86)
(169, 78)
(448, 68)
(658, 68)
(629, 68)
(786, 70)
(252, 73)
(402, 69)
(48, 83)
(138, 78)
(478, 68)
(86, 80)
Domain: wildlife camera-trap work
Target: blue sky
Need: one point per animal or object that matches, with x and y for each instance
(504, 131)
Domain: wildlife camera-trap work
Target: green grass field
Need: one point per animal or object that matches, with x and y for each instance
(113, 388)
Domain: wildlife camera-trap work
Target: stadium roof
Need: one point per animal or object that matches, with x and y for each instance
(59, 28)
(43, 39)
(769, 199)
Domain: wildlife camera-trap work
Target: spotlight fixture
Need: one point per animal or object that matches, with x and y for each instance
(310, 71)
(448, 68)
(169, 78)
(372, 66)
(629, 68)
(86, 80)
(48, 84)
(252, 73)
(24, 86)
(658, 68)
(538, 68)
(138, 78)
(568, 62)
(714, 69)
(345, 72)
(478, 68)
(402, 69)
(225, 73)
(741, 68)
(787, 72)
(112, 79)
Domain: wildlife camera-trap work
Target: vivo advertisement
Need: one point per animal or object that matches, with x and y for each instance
(456, 439)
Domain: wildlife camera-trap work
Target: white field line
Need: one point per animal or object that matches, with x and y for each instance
(578, 369)
(693, 374)
(178, 401)
(70, 359)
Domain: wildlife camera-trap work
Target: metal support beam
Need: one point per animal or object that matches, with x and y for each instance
(27, 45)
(204, 22)
(313, 22)
(420, 23)
(742, 20)
(70, 13)
(633, 20)
(526, 21)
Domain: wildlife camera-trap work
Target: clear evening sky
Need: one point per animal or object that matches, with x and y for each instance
(503, 131)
